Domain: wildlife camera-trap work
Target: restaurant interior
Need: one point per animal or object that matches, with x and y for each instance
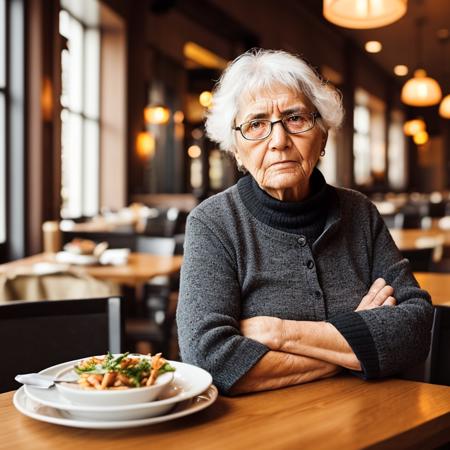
(103, 154)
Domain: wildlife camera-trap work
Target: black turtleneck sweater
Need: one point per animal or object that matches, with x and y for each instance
(306, 217)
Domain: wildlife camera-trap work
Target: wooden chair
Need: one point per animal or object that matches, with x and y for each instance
(154, 321)
(36, 335)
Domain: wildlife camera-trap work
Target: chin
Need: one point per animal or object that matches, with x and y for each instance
(286, 181)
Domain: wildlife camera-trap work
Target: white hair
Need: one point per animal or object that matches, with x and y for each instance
(261, 69)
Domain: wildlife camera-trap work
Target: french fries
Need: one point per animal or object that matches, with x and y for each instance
(121, 372)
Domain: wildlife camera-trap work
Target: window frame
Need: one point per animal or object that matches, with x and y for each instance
(5, 92)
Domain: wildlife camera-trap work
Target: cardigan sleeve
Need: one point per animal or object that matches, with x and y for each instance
(208, 311)
(388, 340)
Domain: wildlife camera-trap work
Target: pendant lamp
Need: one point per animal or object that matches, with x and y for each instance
(412, 127)
(421, 90)
(362, 14)
(444, 107)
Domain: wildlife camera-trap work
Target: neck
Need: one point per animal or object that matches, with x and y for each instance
(293, 194)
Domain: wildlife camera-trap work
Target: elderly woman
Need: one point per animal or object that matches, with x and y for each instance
(287, 279)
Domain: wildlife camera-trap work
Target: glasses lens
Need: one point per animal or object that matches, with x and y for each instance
(256, 129)
(297, 123)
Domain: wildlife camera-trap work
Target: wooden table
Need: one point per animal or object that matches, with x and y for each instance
(140, 267)
(343, 412)
(410, 239)
(437, 284)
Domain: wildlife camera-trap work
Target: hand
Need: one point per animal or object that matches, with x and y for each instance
(264, 329)
(380, 294)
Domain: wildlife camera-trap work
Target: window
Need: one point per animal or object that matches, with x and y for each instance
(368, 139)
(397, 155)
(80, 64)
(2, 121)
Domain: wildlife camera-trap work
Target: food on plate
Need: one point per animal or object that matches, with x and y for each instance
(80, 246)
(122, 371)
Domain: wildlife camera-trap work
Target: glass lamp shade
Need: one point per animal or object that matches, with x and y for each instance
(156, 114)
(145, 145)
(361, 14)
(444, 107)
(421, 90)
(412, 127)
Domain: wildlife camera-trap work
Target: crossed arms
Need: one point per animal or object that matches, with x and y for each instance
(302, 351)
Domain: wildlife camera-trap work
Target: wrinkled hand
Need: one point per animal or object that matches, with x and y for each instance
(380, 294)
(264, 329)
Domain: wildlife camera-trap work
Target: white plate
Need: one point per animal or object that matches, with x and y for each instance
(189, 381)
(35, 410)
(72, 258)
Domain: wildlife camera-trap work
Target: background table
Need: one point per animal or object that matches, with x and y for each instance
(437, 284)
(139, 269)
(343, 412)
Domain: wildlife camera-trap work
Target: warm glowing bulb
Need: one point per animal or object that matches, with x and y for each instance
(420, 138)
(421, 90)
(412, 127)
(178, 116)
(156, 115)
(360, 14)
(373, 46)
(444, 107)
(205, 99)
(401, 70)
(145, 145)
(194, 151)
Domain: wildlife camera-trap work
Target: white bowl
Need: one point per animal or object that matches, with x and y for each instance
(78, 395)
(188, 382)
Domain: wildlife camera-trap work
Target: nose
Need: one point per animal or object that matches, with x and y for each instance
(279, 139)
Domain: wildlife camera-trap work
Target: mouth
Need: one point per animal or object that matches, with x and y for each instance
(283, 163)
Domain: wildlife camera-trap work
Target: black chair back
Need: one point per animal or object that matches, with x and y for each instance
(36, 335)
(440, 347)
(420, 259)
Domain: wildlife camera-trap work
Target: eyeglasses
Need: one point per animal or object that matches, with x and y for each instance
(259, 129)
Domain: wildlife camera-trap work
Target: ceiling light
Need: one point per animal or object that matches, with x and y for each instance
(156, 114)
(444, 107)
(145, 145)
(420, 138)
(178, 116)
(373, 46)
(362, 14)
(401, 70)
(194, 151)
(421, 90)
(205, 99)
(203, 57)
(412, 127)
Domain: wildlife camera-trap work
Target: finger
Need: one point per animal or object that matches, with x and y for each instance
(382, 295)
(390, 301)
(377, 285)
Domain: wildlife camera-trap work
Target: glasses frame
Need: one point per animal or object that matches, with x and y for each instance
(315, 115)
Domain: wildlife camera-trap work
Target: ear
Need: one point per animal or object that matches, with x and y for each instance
(237, 157)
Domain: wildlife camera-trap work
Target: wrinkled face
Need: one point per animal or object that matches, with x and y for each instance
(282, 163)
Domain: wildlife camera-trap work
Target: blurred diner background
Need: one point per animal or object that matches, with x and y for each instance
(103, 151)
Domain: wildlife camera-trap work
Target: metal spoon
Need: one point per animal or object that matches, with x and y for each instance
(44, 381)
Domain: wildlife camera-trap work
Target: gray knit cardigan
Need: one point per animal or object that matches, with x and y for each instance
(236, 267)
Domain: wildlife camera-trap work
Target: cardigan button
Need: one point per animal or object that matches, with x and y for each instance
(302, 240)
(310, 264)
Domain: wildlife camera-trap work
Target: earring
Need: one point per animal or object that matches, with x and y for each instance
(322, 153)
